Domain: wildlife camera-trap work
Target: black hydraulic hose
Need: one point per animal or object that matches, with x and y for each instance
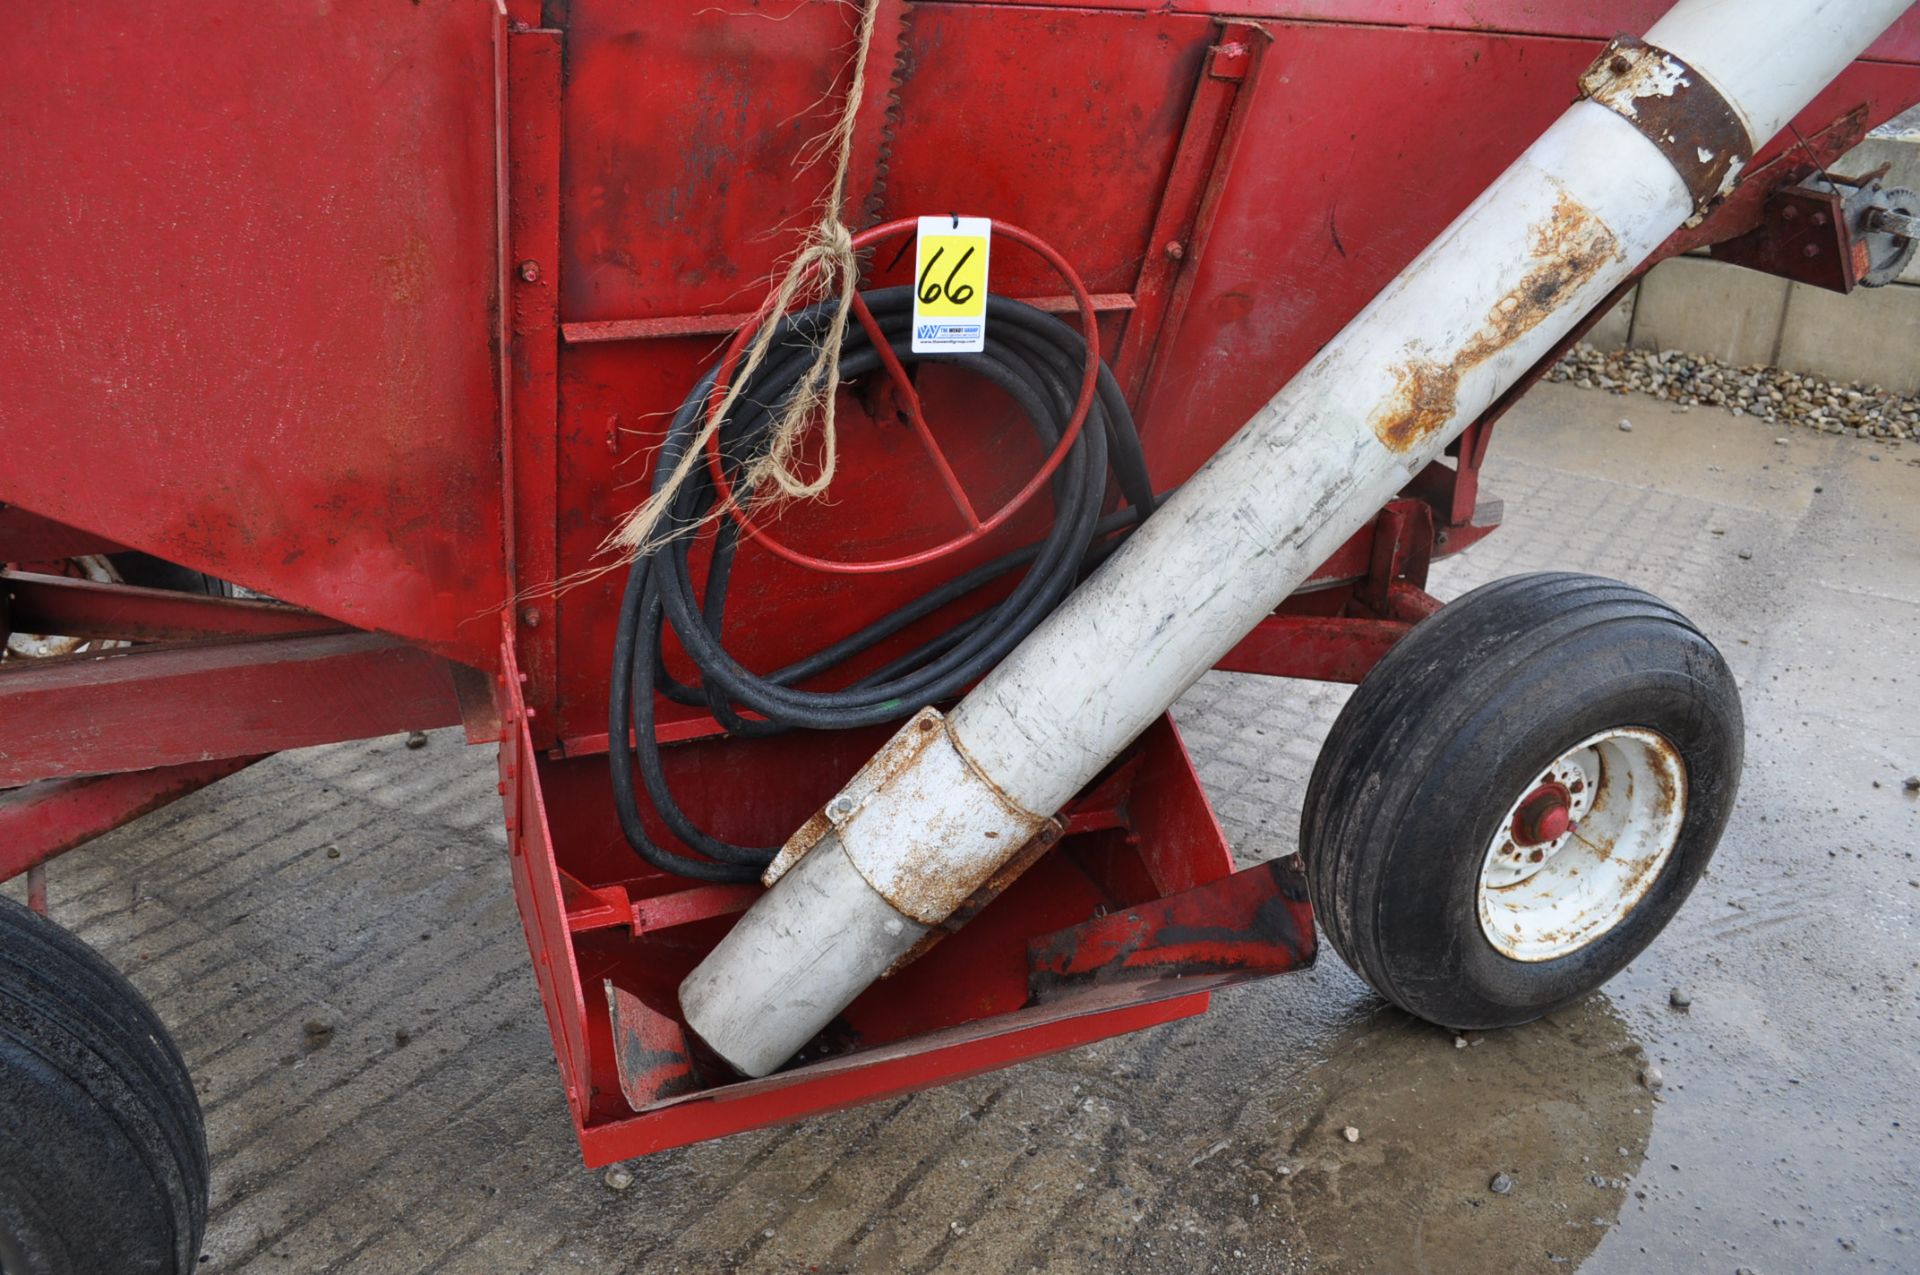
(1033, 357)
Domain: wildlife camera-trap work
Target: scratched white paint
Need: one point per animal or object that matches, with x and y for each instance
(797, 958)
(1302, 476)
(903, 847)
(1658, 76)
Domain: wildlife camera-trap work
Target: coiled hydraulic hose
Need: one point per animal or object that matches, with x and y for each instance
(1039, 362)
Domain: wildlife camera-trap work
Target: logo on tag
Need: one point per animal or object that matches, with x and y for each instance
(950, 285)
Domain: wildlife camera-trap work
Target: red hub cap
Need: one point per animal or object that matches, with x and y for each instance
(1544, 815)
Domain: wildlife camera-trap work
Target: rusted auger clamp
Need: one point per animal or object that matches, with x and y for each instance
(1677, 109)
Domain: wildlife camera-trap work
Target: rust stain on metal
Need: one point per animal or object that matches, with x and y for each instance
(924, 882)
(926, 886)
(894, 758)
(804, 839)
(960, 851)
(1009, 872)
(1424, 397)
(1678, 110)
(1568, 250)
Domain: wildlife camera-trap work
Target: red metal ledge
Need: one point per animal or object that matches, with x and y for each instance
(1253, 924)
(37, 603)
(49, 818)
(142, 707)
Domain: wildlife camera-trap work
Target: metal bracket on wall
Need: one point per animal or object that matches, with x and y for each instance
(1803, 236)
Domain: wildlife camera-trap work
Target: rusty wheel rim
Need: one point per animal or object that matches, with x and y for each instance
(1582, 844)
(42, 646)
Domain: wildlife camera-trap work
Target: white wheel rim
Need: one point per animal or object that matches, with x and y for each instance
(44, 646)
(1545, 893)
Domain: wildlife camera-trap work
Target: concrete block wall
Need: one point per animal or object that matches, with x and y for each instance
(1701, 306)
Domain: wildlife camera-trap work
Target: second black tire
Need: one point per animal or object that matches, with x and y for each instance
(1444, 734)
(103, 1156)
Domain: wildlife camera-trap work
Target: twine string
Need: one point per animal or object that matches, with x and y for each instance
(825, 266)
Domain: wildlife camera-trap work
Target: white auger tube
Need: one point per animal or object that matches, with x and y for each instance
(909, 840)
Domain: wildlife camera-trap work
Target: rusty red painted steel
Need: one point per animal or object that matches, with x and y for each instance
(1592, 20)
(236, 341)
(730, 322)
(43, 820)
(528, 177)
(140, 707)
(1253, 924)
(537, 887)
(1183, 223)
(650, 1051)
(363, 452)
(1804, 236)
(72, 607)
(903, 1067)
(27, 537)
(955, 1011)
(1318, 648)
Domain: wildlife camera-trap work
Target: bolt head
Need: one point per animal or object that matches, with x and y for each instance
(530, 271)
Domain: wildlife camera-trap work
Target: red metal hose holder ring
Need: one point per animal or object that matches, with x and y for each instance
(978, 528)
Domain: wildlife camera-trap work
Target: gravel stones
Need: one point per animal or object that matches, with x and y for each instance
(1769, 393)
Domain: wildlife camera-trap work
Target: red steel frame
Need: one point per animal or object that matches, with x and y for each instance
(557, 209)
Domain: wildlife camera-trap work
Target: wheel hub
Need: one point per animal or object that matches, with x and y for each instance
(1582, 844)
(1545, 815)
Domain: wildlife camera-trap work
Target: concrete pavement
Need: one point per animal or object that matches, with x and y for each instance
(331, 937)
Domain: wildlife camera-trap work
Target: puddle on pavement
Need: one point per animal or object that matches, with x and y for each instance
(1211, 1145)
(1556, 1106)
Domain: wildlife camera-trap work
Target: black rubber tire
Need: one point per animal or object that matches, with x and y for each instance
(103, 1155)
(1445, 733)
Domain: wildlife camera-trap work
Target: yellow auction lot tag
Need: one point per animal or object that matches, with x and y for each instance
(950, 285)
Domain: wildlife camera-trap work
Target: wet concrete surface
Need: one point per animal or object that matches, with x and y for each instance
(332, 938)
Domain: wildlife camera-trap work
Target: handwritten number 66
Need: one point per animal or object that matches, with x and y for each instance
(932, 290)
